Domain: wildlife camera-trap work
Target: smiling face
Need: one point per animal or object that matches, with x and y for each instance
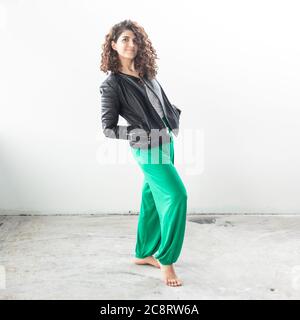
(126, 45)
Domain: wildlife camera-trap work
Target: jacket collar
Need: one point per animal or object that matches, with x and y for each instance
(128, 75)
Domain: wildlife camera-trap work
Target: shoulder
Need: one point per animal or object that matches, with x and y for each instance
(154, 83)
(110, 81)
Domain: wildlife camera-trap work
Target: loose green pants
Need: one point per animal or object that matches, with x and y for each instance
(162, 218)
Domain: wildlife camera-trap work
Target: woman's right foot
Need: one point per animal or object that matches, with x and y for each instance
(170, 276)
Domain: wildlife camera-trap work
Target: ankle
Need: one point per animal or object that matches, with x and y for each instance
(167, 265)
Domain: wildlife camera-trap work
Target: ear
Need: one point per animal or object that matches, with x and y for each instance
(113, 45)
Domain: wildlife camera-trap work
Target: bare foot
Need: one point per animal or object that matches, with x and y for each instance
(170, 276)
(148, 260)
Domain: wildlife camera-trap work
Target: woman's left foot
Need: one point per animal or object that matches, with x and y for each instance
(148, 260)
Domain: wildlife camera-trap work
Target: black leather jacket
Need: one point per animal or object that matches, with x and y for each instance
(125, 95)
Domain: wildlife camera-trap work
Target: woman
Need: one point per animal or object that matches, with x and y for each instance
(132, 91)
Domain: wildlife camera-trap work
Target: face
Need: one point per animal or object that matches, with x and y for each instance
(126, 45)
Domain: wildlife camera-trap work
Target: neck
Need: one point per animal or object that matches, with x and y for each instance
(127, 66)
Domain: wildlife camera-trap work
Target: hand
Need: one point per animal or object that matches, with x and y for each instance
(139, 137)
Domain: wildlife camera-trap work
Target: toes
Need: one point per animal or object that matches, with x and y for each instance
(172, 283)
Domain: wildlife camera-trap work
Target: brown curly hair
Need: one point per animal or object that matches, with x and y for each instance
(145, 59)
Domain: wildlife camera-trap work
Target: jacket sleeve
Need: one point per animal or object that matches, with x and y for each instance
(110, 107)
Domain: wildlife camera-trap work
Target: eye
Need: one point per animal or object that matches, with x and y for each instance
(134, 40)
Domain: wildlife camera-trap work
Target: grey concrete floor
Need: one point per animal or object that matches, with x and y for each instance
(89, 257)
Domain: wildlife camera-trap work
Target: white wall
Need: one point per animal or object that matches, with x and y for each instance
(232, 66)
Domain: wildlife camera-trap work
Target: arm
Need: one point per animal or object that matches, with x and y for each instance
(110, 107)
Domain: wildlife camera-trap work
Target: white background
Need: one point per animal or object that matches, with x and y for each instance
(232, 67)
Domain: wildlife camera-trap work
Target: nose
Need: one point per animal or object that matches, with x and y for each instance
(132, 44)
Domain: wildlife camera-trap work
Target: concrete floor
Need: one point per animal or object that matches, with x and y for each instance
(89, 257)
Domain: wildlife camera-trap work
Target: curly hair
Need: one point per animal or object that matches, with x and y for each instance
(145, 59)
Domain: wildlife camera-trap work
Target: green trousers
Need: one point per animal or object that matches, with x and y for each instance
(162, 218)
